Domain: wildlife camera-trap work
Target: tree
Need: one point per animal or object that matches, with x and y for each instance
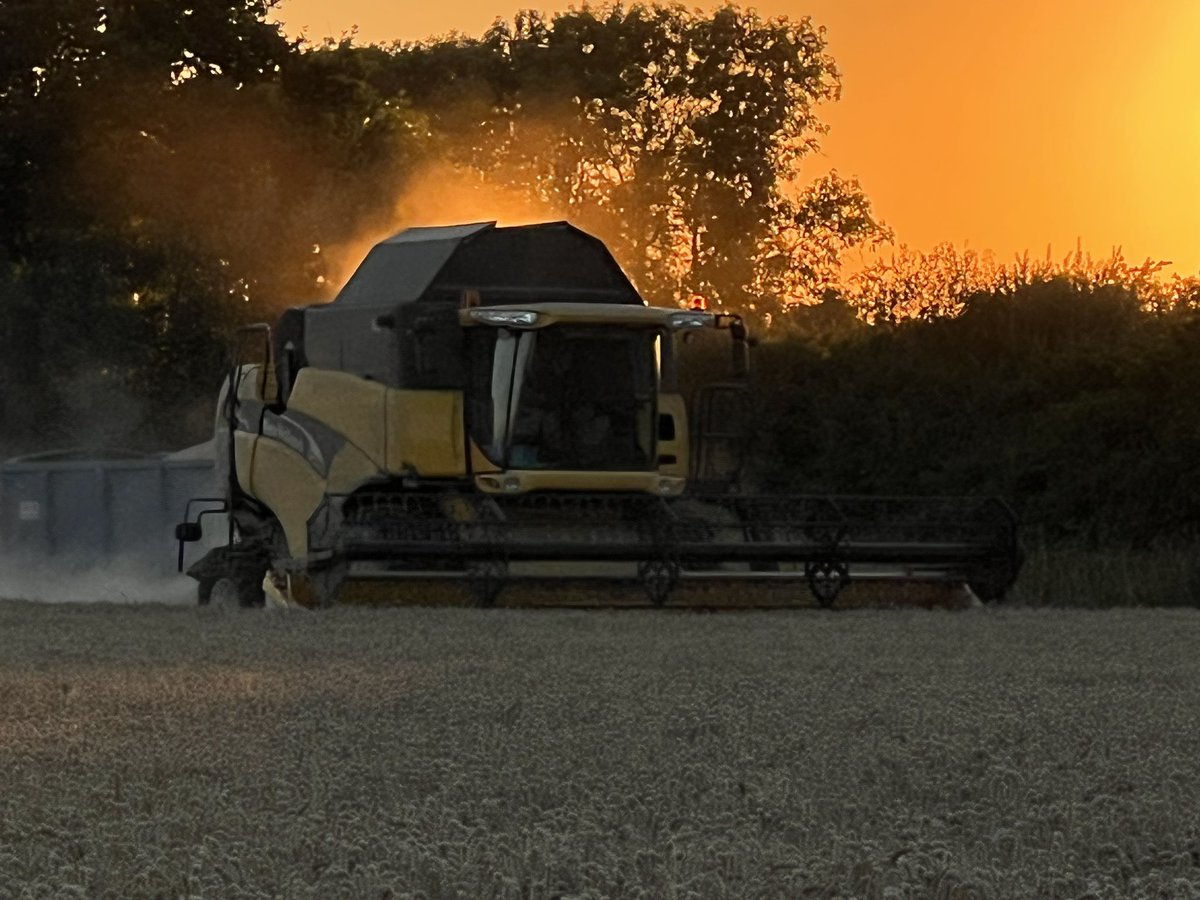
(98, 290)
(66, 63)
(674, 136)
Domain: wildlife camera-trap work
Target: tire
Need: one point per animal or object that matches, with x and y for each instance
(229, 592)
(204, 591)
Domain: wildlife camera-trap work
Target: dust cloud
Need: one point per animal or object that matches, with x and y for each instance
(438, 193)
(121, 581)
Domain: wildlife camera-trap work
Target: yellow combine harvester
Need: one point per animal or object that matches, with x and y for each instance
(482, 407)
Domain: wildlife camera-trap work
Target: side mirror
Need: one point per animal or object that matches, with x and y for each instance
(741, 347)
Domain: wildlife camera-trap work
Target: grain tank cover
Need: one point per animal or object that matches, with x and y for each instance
(417, 279)
(520, 264)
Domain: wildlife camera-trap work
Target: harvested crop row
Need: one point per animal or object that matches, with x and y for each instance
(154, 751)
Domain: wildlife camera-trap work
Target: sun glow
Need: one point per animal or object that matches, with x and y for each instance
(1009, 125)
(439, 195)
(1162, 142)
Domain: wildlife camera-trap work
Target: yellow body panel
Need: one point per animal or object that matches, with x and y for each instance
(674, 406)
(283, 480)
(353, 407)
(480, 462)
(349, 470)
(395, 430)
(425, 433)
(244, 444)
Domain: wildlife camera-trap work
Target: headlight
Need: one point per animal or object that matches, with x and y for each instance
(689, 320)
(500, 317)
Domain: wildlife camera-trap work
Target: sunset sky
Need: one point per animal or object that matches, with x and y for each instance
(1003, 124)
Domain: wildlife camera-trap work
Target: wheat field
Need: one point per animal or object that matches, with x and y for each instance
(157, 751)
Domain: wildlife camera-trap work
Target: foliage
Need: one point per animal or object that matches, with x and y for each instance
(1066, 387)
(112, 295)
(670, 134)
(66, 61)
(909, 284)
(1071, 402)
(170, 170)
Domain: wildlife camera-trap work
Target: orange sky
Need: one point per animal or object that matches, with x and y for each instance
(1008, 124)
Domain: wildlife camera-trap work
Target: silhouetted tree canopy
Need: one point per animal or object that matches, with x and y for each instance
(170, 170)
(670, 134)
(1069, 400)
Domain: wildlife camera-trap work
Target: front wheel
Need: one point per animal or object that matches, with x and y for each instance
(992, 581)
(230, 591)
(826, 580)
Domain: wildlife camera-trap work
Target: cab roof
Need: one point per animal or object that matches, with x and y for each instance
(551, 261)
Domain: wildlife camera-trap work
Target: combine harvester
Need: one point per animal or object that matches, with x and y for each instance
(483, 410)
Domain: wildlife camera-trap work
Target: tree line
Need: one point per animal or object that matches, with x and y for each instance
(170, 170)
(1071, 399)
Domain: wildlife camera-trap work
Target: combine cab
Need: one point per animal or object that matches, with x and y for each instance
(483, 407)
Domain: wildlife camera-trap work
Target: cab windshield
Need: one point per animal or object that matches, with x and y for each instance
(565, 397)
